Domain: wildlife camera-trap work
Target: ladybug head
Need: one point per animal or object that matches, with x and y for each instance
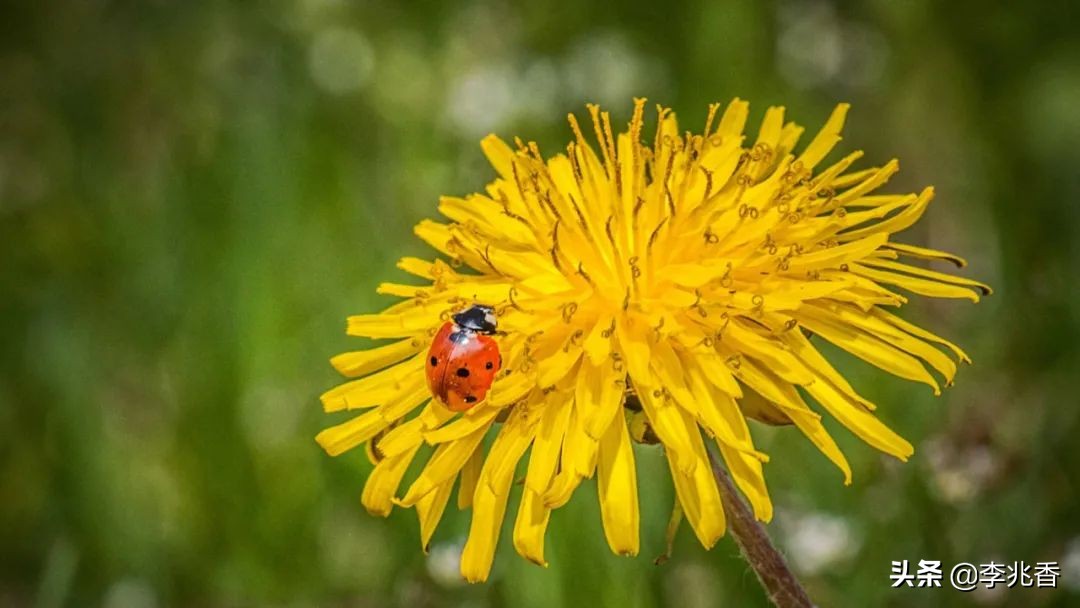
(478, 318)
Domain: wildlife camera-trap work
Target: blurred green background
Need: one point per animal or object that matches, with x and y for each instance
(193, 196)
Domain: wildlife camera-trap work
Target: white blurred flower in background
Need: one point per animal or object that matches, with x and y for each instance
(817, 541)
(341, 60)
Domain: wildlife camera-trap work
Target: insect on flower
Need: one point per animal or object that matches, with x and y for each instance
(659, 292)
(464, 358)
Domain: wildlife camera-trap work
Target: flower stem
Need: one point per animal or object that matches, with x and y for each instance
(783, 589)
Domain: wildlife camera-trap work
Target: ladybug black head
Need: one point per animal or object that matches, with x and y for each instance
(478, 318)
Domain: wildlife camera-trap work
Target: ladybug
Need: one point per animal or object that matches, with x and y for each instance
(464, 358)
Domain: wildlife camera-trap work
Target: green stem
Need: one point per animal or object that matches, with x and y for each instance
(783, 589)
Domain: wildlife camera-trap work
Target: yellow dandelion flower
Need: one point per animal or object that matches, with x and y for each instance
(657, 291)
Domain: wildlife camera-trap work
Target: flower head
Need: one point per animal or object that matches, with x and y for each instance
(653, 291)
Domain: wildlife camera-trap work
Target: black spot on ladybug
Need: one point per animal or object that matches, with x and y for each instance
(489, 365)
(434, 361)
(462, 372)
(470, 398)
(458, 337)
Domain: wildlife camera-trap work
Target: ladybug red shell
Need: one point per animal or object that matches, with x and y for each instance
(464, 358)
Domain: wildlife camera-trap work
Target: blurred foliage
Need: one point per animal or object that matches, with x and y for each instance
(194, 195)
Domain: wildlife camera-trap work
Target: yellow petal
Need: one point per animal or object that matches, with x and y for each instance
(400, 405)
(597, 344)
(867, 347)
(863, 182)
(927, 254)
(508, 390)
(435, 234)
(770, 351)
(719, 414)
(417, 267)
(562, 487)
(828, 137)
(479, 552)
(487, 216)
(895, 223)
(341, 438)
(800, 291)
(546, 446)
(434, 415)
(789, 137)
(924, 287)
(579, 449)
(402, 290)
(363, 362)
(430, 510)
(447, 460)
(893, 335)
(410, 434)
(785, 396)
(601, 391)
(699, 496)
(814, 361)
(722, 161)
(668, 372)
(376, 388)
(401, 325)
(827, 177)
(634, 345)
(753, 405)
(530, 526)
(929, 274)
(734, 118)
(462, 427)
(555, 367)
(514, 438)
(666, 421)
(473, 289)
(750, 478)
(578, 460)
(849, 179)
(470, 476)
(383, 482)
(771, 126)
(863, 292)
(698, 273)
(835, 256)
(499, 154)
(919, 332)
(489, 505)
(718, 373)
(862, 423)
(617, 488)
